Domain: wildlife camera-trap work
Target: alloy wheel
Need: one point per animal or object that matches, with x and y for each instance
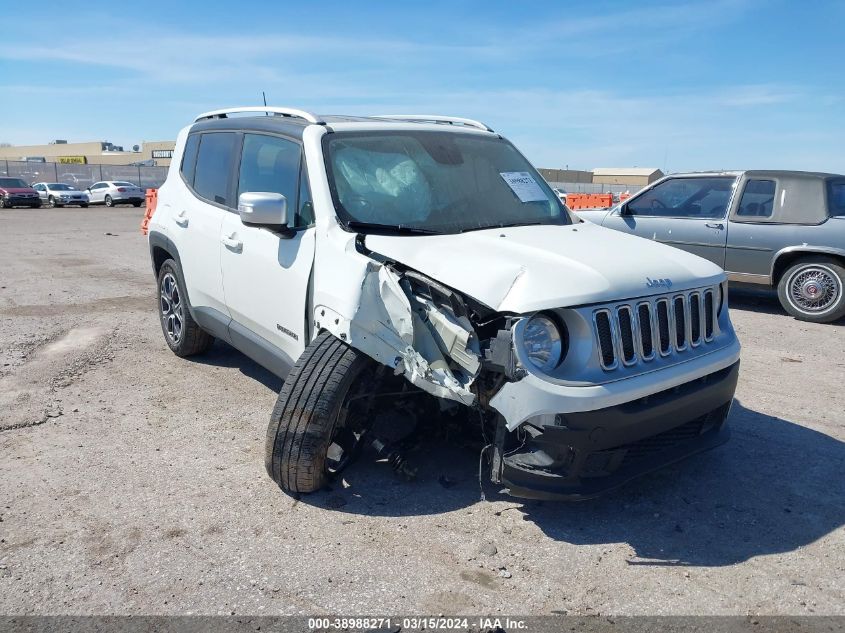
(171, 308)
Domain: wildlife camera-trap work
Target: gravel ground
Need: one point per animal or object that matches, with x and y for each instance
(132, 481)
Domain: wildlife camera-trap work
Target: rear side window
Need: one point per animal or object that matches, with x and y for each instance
(836, 197)
(189, 158)
(214, 159)
(757, 199)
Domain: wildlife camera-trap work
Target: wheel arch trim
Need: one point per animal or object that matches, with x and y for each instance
(804, 249)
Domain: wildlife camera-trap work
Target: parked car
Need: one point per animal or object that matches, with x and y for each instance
(397, 269)
(782, 229)
(14, 192)
(58, 194)
(112, 192)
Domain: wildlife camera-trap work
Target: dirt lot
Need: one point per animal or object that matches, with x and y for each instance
(133, 482)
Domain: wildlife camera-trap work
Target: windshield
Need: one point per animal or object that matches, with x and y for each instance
(58, 186)
(12, 182)
(435, 182)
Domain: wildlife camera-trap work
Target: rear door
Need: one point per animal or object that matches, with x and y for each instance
(265, 272)
(689, 213)
(197, 215)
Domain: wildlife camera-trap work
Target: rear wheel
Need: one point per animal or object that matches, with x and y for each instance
(84, 205)
(109, 201)
(136, 204)
(812, 290)
(181, 332)
(315, 426)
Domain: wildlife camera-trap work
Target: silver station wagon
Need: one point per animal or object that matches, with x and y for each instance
(783, 229)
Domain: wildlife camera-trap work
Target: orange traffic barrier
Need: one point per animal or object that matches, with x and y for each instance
(152, 201)
(577, 201)
(624, 196)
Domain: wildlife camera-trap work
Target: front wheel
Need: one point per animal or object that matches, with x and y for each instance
(181, 332)
(314, 428)
(812, 290)
(109, 201)
(84, 205)
(3, 203)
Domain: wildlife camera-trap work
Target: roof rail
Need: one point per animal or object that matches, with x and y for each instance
(434, 118)
(286, 112)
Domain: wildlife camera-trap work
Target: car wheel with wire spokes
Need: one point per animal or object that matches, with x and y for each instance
(181, 332)
(317, 423)
(813, 289)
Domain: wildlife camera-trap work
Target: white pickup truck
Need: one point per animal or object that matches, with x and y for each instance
(413, 265)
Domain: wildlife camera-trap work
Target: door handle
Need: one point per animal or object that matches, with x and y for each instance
(232, 244)
(715, 225)
(181, 219)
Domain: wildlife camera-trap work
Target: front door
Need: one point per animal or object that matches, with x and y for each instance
(689, 213)
(266, 273)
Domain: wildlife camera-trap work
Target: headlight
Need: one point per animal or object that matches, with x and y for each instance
(542, 342)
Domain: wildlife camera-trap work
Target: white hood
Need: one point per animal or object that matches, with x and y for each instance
(528, 268)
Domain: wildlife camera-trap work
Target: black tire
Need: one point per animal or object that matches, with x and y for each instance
(3, 204)
(824, 275)
(52, 201)
(84, 205)
(136, 204)
(188, 338)
(306, 416)
(108, 201)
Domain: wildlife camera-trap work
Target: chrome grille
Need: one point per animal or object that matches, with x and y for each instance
(628, 334)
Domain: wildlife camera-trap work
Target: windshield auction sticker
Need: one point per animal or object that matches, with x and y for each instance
(524, 186)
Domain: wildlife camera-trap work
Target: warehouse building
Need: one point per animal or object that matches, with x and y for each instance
(91, 153)
(566, 175)
(631, 176)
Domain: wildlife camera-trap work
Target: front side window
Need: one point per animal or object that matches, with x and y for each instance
(435, 182)
(705, 198)
(271, 164)
(214, 159)
(757, 200)
(836, 197)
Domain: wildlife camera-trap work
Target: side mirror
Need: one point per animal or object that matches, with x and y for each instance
(88, 189)
(623, 209)
(263, 208)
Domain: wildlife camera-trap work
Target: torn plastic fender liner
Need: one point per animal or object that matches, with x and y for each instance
(387, 329)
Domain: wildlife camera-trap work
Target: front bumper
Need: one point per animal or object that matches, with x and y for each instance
(584, 454)
(17, 201)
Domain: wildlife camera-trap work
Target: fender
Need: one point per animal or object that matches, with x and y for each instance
(805, 248)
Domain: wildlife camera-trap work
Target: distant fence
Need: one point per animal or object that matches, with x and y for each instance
(82, 176)
(594, 187)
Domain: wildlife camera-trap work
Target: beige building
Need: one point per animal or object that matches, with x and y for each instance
(90, 153)
(566, 175)
(633, 176)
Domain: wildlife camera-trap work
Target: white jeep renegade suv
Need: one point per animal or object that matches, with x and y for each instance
(396, 268)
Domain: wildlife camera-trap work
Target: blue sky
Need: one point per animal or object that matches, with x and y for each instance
(676, 85)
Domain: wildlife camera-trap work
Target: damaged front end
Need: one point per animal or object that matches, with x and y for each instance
(545, 436)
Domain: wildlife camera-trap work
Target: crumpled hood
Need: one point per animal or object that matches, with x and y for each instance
(528, 268)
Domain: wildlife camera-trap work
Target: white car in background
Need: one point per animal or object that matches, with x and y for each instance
(59, 194)
(112, 192)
